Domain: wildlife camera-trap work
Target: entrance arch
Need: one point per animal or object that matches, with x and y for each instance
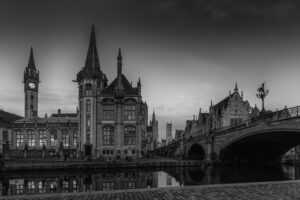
(196, 152)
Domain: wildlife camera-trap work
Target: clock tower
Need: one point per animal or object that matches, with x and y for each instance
(31, 89)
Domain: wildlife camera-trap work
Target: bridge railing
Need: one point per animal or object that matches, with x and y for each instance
(285, 113)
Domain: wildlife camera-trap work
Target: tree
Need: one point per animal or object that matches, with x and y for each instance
(262, 93)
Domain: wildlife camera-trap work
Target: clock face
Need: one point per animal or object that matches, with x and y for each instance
(32, 85)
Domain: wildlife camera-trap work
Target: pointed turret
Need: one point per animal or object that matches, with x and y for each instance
(31, 63)
(119, 63)
(92, 59)
(236, 87)
(153, 116)
(139, 86)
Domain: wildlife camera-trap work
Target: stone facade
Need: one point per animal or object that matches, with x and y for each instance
(111, 121)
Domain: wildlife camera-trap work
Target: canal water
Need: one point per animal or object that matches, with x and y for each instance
(20, 183)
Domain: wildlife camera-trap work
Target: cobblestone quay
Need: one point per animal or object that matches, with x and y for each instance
(256, 191)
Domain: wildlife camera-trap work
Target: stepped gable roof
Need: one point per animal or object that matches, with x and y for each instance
(222, 104)
(7, 117)
(126, 85)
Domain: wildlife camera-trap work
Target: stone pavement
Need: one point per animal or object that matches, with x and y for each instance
(256, 191)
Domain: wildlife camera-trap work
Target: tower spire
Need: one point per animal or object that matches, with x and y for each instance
(92, 59)
(119, 63)
(31, 63)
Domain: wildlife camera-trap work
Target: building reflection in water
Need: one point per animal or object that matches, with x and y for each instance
(57, 182)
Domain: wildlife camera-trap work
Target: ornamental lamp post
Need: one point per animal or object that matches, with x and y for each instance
(262, 93)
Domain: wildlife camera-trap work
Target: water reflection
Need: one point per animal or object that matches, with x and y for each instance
(74, 181)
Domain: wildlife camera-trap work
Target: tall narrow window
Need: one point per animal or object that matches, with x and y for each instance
(80, 91)
(88, 89)
(75, 138)
(65, 138)
(108, 112)
(42, 138)
(41, 187)
(20, 138)
(88, 136)
(129, 135)
(88, 106)
(30, 187)
(5, 136)
(31, 138)
(129, 112)
(53, 138)
(108, 135)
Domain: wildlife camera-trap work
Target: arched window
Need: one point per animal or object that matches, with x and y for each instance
(31, 138)
(108, 135)
(129, 135)
(20, 138)
(42, 138)
(88, 89)
(53, 138)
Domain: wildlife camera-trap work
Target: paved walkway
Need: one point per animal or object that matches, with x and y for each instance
(256, 191)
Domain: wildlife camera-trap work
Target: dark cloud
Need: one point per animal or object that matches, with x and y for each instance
(228, 10)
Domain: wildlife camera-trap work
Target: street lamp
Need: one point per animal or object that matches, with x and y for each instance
(262, 93)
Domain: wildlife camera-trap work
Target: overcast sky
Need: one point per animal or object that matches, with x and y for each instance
(186, 52)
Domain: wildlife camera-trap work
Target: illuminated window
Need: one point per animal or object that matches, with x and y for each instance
(129, 185)
(41, 187)
(20, 138)
(53, 138)
(42, 138)
(108, 185)
(75, 186)
(30, 187)
(75, 138)
(31, 138)
(108, 135)
(65, 138)
(108, 112)
(129, 135)
(65, 186)
(19, 188)
(53, 186)
(129, 112)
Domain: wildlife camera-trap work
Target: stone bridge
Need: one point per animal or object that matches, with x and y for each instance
(263, 139)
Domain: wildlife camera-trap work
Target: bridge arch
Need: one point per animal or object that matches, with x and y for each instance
(264, 146)
(195, 152)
